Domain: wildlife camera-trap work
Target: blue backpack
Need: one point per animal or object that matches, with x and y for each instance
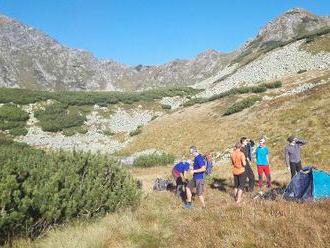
(209, 166)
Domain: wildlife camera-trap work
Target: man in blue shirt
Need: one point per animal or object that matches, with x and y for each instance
(179, 174)
(262, 160)
(197, 181)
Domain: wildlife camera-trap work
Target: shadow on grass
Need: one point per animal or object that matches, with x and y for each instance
(221, 184)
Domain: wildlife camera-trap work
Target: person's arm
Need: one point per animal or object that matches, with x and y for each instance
(202, 169)
(300, 142)
(243, 160)
(183, 176)
(287, 159)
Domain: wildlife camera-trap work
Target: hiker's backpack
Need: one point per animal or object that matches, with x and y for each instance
(209, 166)
(162, 184)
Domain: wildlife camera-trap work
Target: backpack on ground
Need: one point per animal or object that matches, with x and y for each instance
(209, 166)
(162, 184)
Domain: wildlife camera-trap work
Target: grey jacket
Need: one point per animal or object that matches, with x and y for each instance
(292, 152)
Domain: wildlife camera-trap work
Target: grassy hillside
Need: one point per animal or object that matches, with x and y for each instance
(304, 115)
(160, 221)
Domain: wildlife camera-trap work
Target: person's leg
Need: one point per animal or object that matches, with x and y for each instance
(298, 166)
(189, 188)
(179, 186)
(250, 176)
(242, 180)
(267, 173)
(235, 186)
(200, 191)
(293, 169)
(260, 171)
(239, 196)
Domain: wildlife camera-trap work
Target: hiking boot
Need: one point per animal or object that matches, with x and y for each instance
(188, 205)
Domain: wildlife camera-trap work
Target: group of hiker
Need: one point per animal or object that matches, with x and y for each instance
(241, 159)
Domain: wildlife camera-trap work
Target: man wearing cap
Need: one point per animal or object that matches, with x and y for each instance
(292, 154)
(262, 160)
(197, 181)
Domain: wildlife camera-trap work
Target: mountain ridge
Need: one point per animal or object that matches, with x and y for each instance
(32, 59)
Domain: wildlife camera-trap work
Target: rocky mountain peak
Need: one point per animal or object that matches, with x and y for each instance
(293, 23)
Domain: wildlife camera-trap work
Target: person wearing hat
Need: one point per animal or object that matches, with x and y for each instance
(292, 154)
(262, 161)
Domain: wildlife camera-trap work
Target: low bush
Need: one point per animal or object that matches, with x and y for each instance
(154, 160)
(13, 119)
(301, 71)
(7, 125)
(18, 131)
(154, 117)
(236, 91)
(166, 106)
(39, 189)
(108, 132)
(56, 118)
(23, 96)
(243, 104)
(273, 85)
(137, 131)
(11, 112)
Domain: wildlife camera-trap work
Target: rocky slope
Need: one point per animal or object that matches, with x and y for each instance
(31, 59)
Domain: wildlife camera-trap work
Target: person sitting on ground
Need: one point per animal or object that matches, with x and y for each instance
(292, 155)
(238, 160)
(197, 181)
(248, 170)
(262, 160)
(179, 174)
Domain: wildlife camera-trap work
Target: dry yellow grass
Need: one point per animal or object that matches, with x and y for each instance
(161, 221)
(320, 44)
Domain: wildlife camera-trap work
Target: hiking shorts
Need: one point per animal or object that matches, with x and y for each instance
(263, 169)
(239, 181)
(198, 184)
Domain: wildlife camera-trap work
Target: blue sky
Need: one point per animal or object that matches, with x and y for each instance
(152, 31)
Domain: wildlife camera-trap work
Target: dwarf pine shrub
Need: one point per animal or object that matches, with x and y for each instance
(137, 131)
(13, 119)
(39, 189)
(166, 106)
(56, 118)
(243, 104)
(154, 160)
(24, 96)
